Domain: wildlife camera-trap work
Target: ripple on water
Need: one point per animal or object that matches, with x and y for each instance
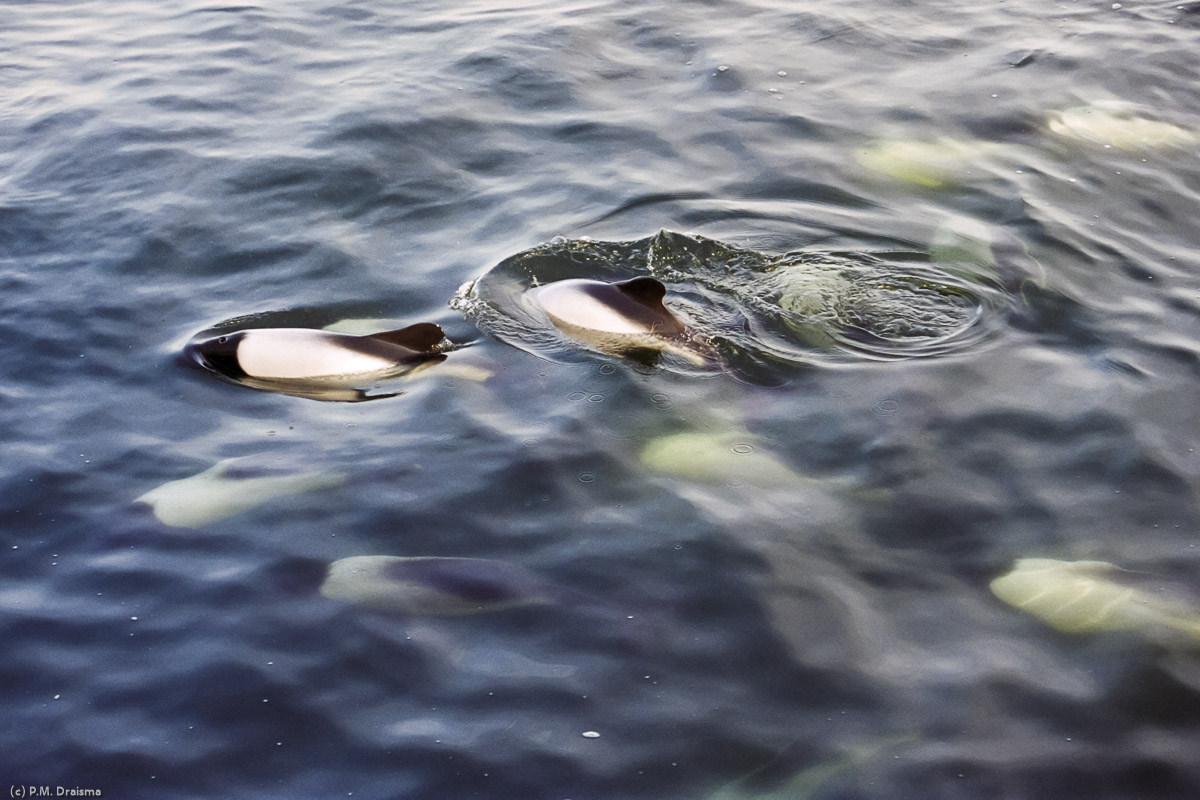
(758, 310)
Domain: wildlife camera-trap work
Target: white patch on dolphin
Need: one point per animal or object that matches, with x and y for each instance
(935, 164)
(229, 487)
(619, 318)
(729, 458)
(1118, 124)
(1091, 596)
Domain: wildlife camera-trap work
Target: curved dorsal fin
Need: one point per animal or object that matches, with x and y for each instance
(424, 337)
(648, 291)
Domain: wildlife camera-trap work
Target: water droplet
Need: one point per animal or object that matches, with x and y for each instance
(591, 735)
(678, 547)
(595, 398)
(586, 477)
(742, 449)
(723, 68)
(573, 396)
(781, 74)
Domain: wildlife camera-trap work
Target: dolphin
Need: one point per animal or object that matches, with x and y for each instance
(1093, 596)
(439, 586)
(230, 487)
(624, 318)
(316, 363)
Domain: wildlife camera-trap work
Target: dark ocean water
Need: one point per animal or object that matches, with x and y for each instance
(168, 166)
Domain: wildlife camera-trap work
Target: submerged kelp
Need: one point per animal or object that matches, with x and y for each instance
(758, 311)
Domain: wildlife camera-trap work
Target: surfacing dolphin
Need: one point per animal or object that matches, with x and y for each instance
(626, 318)
(318, 364)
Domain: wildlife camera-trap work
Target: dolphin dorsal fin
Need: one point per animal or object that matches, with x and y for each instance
(424, 337)
(647, 291)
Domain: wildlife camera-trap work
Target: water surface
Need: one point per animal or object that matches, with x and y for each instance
(823, 603)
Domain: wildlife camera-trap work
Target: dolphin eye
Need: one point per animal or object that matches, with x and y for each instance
(223, 340)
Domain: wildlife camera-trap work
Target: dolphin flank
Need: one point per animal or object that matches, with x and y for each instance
(619, 318)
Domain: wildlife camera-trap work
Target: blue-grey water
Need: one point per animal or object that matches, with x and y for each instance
(168, 166)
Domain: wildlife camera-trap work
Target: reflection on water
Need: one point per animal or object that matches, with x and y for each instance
(945, 256)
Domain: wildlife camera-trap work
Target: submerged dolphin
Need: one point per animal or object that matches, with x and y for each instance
(1091, 596)
(316, 363)
(622, 318)
(437, 586)
(230, 487)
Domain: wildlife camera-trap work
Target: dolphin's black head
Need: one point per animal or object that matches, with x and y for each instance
(218, 354)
